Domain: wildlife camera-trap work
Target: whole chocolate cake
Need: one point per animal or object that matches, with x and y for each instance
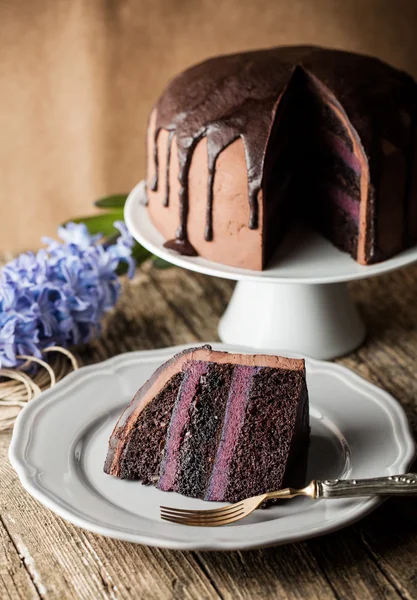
(242, 146)
(215, 425)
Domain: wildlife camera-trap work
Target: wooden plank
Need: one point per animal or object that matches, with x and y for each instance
(197, 300)
(352, 571)
(289, 572)
(147, 572)
(15, 581)
(390, 536)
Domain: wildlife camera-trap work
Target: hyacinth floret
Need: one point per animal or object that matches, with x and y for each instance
(59, 295)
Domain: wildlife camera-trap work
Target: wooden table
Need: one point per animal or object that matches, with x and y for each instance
(42, 556)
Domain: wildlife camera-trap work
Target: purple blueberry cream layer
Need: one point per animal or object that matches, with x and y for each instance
(215, 425)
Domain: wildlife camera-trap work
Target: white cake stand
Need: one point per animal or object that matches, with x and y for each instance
(300, 303)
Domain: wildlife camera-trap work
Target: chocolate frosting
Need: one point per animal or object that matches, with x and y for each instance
(234, 96)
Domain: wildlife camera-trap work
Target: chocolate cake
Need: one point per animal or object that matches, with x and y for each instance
(242, 146)
(215, 425)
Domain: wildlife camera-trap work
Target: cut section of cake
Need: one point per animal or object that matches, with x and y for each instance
(215, 425)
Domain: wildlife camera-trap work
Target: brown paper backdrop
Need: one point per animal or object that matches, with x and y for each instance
(78, 78)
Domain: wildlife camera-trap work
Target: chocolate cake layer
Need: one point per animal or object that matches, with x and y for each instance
(181, 415)
(202, 436)
(263, 108)
(264, 442)
(143, 451)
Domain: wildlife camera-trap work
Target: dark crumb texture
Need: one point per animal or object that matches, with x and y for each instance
(142, 455)
(264, 445)
(201, 438)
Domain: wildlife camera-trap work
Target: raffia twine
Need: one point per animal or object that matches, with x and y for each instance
(17, 387)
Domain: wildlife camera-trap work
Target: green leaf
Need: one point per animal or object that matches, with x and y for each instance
(159, 263)
(101, 223)
(113, 201)
(140, 253)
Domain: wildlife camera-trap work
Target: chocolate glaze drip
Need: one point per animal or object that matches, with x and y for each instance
(184, 169)
(154, 182)
(181, 246)
(170, 138)
(235, 96)
(208, 231)
(218, 139)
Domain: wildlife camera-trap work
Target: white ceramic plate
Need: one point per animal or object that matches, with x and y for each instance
(304, 257)
(60, 440)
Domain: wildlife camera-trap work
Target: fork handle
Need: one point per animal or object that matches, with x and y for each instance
(394, 485)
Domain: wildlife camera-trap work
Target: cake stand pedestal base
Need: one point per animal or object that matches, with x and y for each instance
(320, 320)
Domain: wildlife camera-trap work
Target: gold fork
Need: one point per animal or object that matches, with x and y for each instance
(401, 485)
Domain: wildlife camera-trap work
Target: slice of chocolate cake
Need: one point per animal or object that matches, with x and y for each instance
(215, 425)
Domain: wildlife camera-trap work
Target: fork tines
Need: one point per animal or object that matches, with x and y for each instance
(203, 518)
